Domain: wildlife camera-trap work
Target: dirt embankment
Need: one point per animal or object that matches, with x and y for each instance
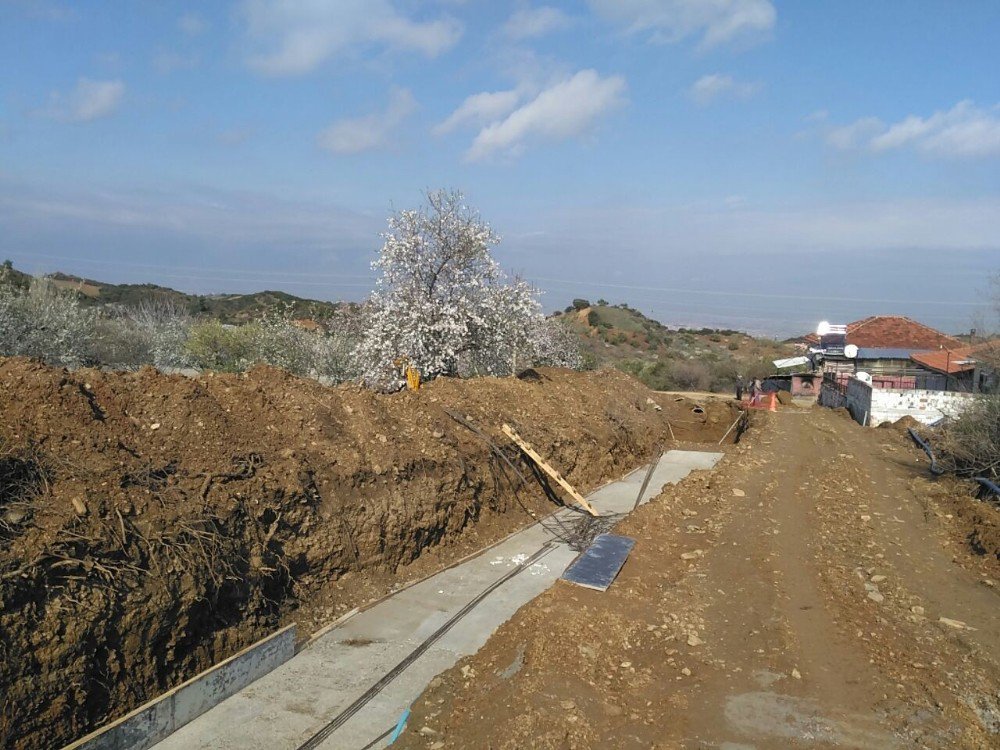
(151, 525)
(817, 589)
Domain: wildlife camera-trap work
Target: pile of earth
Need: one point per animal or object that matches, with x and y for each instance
(152, 525)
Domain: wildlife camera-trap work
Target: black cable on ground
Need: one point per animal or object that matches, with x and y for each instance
(987, 487)
(378, 739)
(566, 536)
(340, 719)
(935, 469)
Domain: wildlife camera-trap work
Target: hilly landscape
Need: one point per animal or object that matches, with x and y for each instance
(609, 335)
(230, 309)
(665, 358)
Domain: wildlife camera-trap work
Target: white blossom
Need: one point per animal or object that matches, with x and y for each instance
(443, 305)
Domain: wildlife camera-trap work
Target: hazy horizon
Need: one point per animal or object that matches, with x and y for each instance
(742, 164)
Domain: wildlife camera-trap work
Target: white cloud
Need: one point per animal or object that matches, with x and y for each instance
(480, 109)
(710, 87)
(965, 131)
(89, 100)
(534, 22)
(297, 36)
(192, 24)
(666, 21)
(353, 135)
(848, 137)
(563, 110)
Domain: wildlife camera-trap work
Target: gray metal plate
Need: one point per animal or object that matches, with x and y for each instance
(597, 567)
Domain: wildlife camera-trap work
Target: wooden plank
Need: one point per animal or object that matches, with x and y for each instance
(533, 455)
(599, 564)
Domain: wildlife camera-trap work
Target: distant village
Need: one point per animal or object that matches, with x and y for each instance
(887, 367)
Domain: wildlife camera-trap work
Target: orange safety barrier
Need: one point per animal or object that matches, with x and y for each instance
(757, 402)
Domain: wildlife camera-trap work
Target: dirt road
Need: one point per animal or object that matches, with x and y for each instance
(792, 598)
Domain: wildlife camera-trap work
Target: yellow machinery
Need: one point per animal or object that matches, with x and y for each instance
(411, 373)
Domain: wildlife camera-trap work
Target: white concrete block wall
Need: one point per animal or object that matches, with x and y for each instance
(873, 406)
(859, 401)
(890, 404)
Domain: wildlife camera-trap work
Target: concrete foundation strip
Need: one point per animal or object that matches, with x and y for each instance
(158, 718)
(348, 615)
(340, 719)
(165, 714)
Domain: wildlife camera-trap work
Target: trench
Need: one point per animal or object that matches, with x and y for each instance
(253, 511)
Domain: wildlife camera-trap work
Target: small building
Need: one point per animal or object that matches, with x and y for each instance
(962, 369)
(887, 367)
(881, 346)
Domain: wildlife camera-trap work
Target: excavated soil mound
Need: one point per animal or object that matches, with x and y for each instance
(902, 424)
(151, 525)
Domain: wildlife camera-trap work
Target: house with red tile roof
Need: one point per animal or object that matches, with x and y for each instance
(881, 346)
(886, 367)
(893, 332)
(966, 368)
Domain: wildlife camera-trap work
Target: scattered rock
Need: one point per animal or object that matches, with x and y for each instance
(956, 624)
(875, 596)
(739, 493)
(917, 610)
(796, 674)
(693, 640)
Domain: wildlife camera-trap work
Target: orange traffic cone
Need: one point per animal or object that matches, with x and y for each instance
(774, 402)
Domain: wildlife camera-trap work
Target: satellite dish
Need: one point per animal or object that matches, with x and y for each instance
(850, 351)
(823, 328)
(864, 377)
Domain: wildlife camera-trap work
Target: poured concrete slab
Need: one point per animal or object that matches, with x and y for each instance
(290, 705)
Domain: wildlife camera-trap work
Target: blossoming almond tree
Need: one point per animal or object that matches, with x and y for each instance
(442, 303)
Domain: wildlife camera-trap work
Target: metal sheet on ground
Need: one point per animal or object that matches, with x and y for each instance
(598, 566)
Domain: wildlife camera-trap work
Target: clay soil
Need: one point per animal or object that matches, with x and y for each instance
(152, 525)
(817, 589)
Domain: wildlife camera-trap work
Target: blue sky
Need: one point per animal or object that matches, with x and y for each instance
(744, 163)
